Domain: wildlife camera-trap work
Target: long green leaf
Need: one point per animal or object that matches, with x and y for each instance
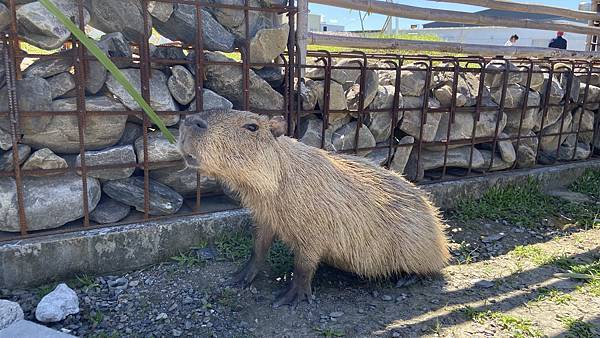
(109, 65)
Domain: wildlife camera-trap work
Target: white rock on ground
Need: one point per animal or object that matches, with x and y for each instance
(10, 312)
(57, 305)
(27, 329)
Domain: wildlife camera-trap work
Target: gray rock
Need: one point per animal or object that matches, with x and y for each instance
(344, 138)
(41, 28)
(227, 81)
(44, 159)
(268, 44)
(130, 191)
(116, 45)
(95, 76)
(337, 99)
(132, 132)
(412, 80)
(493, 238)
(584, 125)
(563, 71)
(402, 154)
(182, 84)
(556, 94)
(35, 95)
(61, 84)
(109, 156)
(273, 75)
(462, 128)
(62, 133)
(506, 149)
(550, 143)
(233, 19)
(109, 211)
(184, 180)
(496, 70)
(526, 150)
(25, 328)
(212, 100)
(371, 88)
(444, 94)
(458, 158)
(550, 117)
(482, 283)
(593, 93)
(467, 89)
(498, 162)
(45, 68)
(380, 156)
(515, 95)
(50, 202)
(160, 98)
(181, 26)
(125, 16)
(311, 133)
(6, 160)
(159, 150)
(57, 305)
(411, 122)
(308, 94)
(160, 10)
(4, 23)
(172, 53)
(582, 151)
(380, 123)
(537, 77)
(10, 312)
(5, 140)
(348, 74)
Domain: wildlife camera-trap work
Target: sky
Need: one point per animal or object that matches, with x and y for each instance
(351, 21)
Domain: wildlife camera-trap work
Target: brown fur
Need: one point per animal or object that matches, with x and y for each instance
(337, 209)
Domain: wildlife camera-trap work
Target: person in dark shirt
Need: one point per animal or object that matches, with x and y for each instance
(558, 42)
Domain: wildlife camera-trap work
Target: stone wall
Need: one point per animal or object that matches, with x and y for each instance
(53, 198)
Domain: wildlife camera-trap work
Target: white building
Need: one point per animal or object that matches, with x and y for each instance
(316, 23)
(486, 35)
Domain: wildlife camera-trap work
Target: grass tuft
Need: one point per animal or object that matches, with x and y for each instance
(511, 325)
(577, 328)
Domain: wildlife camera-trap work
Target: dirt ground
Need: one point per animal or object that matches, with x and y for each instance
(506, 280)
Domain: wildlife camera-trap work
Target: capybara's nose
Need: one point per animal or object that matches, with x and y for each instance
(196, 122)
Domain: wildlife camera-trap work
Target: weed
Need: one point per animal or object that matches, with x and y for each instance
(534, 254)
(45, 289)
(237, 246)
(588, 183)
(513, 326)
(96, 318)
(518, 204)
(188, 259)
(465, 253)
(577, 328)
(553, 295)
(588, 271)
(329, 332)
(87, 282)
(227, 297)
(436, 328)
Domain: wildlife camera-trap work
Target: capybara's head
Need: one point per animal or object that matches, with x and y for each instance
(231, 142)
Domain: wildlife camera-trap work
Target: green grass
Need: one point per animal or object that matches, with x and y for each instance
(87, 282)
(589, 184)
(511, 325)
(227, 297)
(186, 259)
(577, 328)
(553, 295)
(589, 272)
(526, 205)
(96, 318)
(45, 289)
(329, 332)
(237, 246)
(404, 36)
(535, 254)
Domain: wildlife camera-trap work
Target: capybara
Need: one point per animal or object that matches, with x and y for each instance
(337, 209)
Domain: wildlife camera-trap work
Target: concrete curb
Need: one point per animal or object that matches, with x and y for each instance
(99, 251)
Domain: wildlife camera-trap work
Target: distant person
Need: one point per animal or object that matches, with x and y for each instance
(512, 41)
(558, 42)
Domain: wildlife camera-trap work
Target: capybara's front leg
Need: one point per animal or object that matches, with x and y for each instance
(263, 238)
(300, 287)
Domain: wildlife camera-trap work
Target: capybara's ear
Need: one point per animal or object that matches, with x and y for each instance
(277, 125)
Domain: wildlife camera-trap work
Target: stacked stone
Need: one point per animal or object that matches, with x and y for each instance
(54, 198)
(518, 132)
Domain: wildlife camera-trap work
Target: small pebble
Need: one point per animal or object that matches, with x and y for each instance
(386, 298)
(336, 314)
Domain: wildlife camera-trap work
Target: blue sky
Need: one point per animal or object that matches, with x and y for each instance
(350, 20)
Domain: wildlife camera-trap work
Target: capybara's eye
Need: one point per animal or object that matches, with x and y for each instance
(251, 126)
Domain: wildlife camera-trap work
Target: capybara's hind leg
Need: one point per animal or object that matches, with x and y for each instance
(300, 287)
(407, 279)
(263, 238)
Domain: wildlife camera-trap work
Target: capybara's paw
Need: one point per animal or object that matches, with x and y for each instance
(245, 276)
(293, 295)
(407, 280)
